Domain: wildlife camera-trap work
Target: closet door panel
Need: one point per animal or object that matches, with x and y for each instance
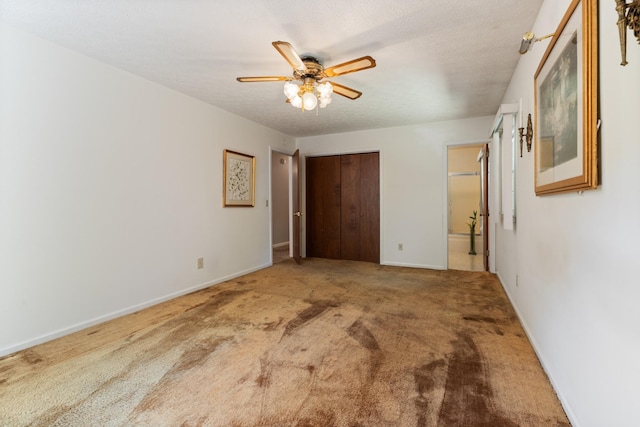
(369, 191)
(350, 211)
(323, 206)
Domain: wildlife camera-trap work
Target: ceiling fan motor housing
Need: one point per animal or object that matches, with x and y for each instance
(313, 69)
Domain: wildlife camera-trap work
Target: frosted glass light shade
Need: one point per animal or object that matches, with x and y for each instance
(325, 89)
(296, 101)
(309, 100)
(291, 90)
(324, 101)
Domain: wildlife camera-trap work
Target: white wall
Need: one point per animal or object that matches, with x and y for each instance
(575, 256)
(413, 183)
(110, 189)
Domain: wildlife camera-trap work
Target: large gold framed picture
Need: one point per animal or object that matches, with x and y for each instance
(239, 179)
(566, 104)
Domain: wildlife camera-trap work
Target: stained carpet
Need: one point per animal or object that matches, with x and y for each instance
(329, 343)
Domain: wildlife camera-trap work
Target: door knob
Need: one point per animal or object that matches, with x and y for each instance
(298, 214)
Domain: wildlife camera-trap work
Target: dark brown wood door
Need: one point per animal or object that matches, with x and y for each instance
(323, 207)
(350, 207)
(360, 207)
(343, 207)
(295, 190)
(370, 207)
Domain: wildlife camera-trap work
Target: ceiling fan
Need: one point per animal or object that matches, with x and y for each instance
(313, 89)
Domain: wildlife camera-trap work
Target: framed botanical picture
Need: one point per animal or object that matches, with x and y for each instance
(566, 104)
(239, 179)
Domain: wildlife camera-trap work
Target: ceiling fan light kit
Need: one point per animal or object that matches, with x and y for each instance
(313, 91)
(308, 95)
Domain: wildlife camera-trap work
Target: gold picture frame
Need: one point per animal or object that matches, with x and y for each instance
(566, 104)
(239, 179)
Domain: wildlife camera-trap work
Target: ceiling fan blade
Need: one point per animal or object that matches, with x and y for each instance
(347, 92)
(289, 53)
(262, 79)
(350, 66)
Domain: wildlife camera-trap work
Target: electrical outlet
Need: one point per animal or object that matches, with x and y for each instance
(200, 263)
(400, 246)
(517, 281)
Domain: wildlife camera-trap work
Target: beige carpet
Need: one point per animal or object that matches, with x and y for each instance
(328, 343)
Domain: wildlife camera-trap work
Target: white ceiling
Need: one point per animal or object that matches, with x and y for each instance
(436, 59)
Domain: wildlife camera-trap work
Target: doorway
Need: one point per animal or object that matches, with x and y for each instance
(280, 206)
(466, 194)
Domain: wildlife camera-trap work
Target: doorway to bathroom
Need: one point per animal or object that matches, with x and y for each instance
(466, 198)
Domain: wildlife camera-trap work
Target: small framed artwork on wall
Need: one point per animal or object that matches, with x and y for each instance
(566, 98)
(239, 179)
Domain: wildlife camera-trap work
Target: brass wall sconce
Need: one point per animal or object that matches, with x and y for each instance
(528, 39)
(528, 135)
(627, 18)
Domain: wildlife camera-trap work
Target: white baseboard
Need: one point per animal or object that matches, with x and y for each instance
(119, 313)
(405, 264)
(280, 245)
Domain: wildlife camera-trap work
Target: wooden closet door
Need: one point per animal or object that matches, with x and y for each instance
(370, 207)
(350, 207)
(360, 210)
(323, 206)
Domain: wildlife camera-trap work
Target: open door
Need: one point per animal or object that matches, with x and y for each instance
(484, 168)
(295, 196)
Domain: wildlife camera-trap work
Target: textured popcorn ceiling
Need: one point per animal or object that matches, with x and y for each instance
(437, 59)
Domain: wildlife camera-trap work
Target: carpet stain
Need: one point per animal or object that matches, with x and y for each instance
(366, 400)
(468, 394)
(194, 306)
(202, 421)
(322, 418)
(221, 299)
(197, 354)
(424, 378)
(308, 314)
(360, 333)
(480, 319)
(31, 357)
(245, 282)
(424, 375)
(193, 357)
(365, 338)
(272, 326)
(179, 330)
(49, 418)
(264, 378)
